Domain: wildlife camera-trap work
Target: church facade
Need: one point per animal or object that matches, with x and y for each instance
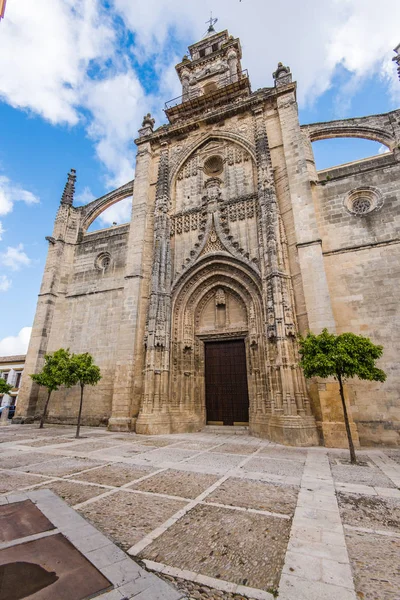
(236, 245)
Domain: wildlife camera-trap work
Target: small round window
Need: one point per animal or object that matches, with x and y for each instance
(362, 201)
(103, 262)
(213, 166)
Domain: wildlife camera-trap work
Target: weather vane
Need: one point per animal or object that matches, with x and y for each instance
(211, 23)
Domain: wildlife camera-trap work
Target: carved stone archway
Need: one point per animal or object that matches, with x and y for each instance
(219, 301)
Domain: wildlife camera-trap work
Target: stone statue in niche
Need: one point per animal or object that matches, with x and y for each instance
(220, 299)
(213, 189)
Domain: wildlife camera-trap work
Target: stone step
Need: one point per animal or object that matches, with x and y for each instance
(227, 429)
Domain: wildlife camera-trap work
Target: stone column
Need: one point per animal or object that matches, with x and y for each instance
(154, 414)
(126, 394)
(309, 244)
(60, 257)
(290, 419)
(301, 178)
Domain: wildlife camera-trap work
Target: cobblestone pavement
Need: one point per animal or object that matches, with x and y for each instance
(223, 516)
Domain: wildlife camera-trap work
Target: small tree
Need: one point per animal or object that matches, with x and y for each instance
(5, 388)
(83, 372)
(55, 372)
(343, 356)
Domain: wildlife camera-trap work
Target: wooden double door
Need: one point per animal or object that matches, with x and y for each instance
(227, 397)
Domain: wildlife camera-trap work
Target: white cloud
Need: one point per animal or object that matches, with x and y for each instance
(117, 213)
(383, 149)
(2, 230)
(71, 65)
(85, 196)
(11, 193)
(5, 283)
(15, 258)
(17, 344)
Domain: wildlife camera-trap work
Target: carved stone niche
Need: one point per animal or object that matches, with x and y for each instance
(213, 188)
(222, 312)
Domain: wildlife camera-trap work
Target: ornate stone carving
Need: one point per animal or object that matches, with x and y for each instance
(69, 189)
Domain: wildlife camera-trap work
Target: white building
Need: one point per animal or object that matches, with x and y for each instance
(11, 369)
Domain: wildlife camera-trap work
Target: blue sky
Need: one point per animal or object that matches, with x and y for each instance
(77, 76)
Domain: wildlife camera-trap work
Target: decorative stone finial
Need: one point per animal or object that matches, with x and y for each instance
(69, 190)
(148, 120)
(282, 75)
(147, 125)
(397, 58)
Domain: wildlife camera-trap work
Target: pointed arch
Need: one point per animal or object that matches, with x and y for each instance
(208, 137)
(94, 209)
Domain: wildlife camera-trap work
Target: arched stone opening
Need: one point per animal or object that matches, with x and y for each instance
(219, 303)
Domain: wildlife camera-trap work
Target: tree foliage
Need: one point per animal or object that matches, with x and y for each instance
(341, 356)
(347, 355)
(55, 372)
(84, 372)
(5, 387)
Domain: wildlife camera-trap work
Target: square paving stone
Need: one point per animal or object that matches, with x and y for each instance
(375, 565)
(243, 449)
(14, 480)
(61, 466)
(166, 455)
(91, 446)
(198, 445)
(213, 463)
(48, 569)
(243, 548)
(364, 475)
(285, 468)
(127, 517)
(177, 483)
(21, 459)
(73, 493)
(282, 452)
(125, 451)
(256, 494)
(394, 455)
(370, 512)
(47, 442)
(116, 474)
(21, 519)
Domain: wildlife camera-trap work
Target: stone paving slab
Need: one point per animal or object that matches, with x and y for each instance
(114, 566)
(61, 466)
(117, 474)
(218, 543)
(370, 512)
(375, 564)
(256, 495)
(127, 517)
(176, 483)
(72, 493)
(284, 467)
(22, 459)
(360, 475)
(13, 480)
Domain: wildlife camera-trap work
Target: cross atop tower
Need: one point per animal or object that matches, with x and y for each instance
(211, 23)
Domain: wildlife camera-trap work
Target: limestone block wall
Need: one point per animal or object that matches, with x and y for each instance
(362, 262)
(87, 320)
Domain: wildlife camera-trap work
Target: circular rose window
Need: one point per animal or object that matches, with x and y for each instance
(362, 201)
(214, 165)
(103, 261)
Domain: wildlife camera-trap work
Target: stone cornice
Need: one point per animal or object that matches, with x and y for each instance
(172, 130)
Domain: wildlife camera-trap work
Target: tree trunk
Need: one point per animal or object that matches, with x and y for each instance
(353, 458)
(42, 420)
(80, 413)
